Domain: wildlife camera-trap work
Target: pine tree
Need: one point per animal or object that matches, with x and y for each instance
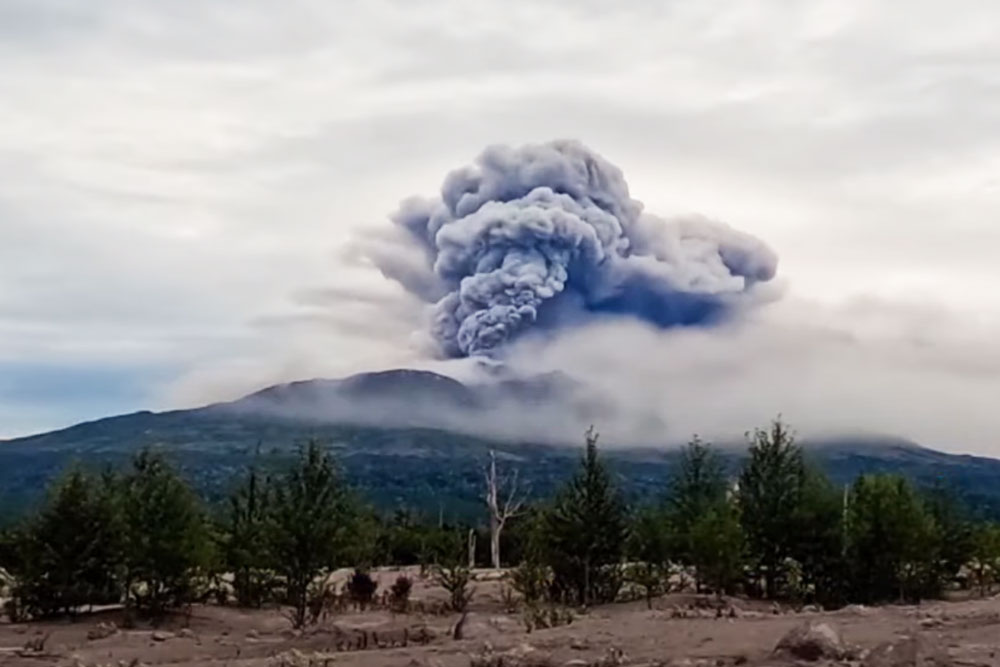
(698, 486)
(585, 532)
(246, 547)
(70, 552)
(985, 556)
(648, 549)
(769, 491)
(308, 525)
(717, 547)
(166, 540)
(819, 547)
(955, 533)
(893, 541)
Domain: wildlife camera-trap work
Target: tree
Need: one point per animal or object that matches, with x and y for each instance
(769, 490)
(504, 500)
(532, 577)
(892, 541)
(698, 485)
(648, 550)
(166, 539)
(954, 530)
(818, 545)
(71, 551)
(985, 556)
(452, 573)
(246, 548)
(717, 547)
(585, 531)
(307, 525)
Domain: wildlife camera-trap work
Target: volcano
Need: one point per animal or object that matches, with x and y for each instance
(387, 433)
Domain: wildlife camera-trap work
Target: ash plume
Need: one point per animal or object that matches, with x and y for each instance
(545, 236)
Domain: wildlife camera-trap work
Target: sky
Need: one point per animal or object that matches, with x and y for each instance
(183, 186)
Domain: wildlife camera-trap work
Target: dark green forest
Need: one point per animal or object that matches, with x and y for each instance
(430, 471)
(773, 526)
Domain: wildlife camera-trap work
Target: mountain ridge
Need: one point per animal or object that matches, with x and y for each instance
(401, 462)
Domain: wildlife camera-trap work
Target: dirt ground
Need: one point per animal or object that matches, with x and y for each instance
(681, 630)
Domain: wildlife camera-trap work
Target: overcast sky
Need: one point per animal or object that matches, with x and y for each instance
(180, 184)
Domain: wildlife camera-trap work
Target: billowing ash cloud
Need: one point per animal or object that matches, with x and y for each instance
(544, 235)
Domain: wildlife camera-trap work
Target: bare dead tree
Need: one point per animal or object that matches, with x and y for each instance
(504, 498)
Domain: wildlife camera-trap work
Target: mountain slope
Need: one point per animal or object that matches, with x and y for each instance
(400, 463)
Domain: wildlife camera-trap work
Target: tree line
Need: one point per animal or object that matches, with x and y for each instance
(778, 529)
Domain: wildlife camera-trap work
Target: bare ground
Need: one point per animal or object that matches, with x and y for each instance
(679, 630)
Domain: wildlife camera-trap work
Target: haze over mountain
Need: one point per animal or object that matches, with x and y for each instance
(409, 438)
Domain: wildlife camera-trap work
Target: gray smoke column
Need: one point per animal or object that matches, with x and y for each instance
(544, 236)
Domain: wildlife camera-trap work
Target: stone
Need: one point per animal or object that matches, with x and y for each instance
(811, 642)
(186, 633)
(524, 655)
(102, 631)
(162, 636)
(908, 652)
(856, 610)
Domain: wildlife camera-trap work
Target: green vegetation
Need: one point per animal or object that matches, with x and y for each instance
(427, 472)
(893, 541)
(244, 546)
(769, 495)
(648, 550)
(70, 554)
(776, 528)
(166, 543)
(308, 525)
(584, 533)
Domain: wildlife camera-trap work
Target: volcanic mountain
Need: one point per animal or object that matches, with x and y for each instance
(409, 438)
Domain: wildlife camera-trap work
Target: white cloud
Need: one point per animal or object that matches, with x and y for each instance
(173, 174)
(908, 369)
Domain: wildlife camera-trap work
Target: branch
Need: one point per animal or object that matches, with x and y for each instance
(516, 497)
(490, 475)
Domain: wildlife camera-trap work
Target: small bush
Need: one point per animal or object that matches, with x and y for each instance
(399, 594)
(538, 617)
(14, 611)
(361, 589)
(508, 598)
(531, 580)
(455, 580)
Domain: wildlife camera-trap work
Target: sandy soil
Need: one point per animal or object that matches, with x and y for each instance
(679, 630)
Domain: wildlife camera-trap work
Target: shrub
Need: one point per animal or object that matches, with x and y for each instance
(455, 579)
(361, 588)
(399, 594)
(508, 598)
(531, 580)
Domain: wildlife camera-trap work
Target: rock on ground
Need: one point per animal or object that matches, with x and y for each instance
(812, 641)
(908, 652)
